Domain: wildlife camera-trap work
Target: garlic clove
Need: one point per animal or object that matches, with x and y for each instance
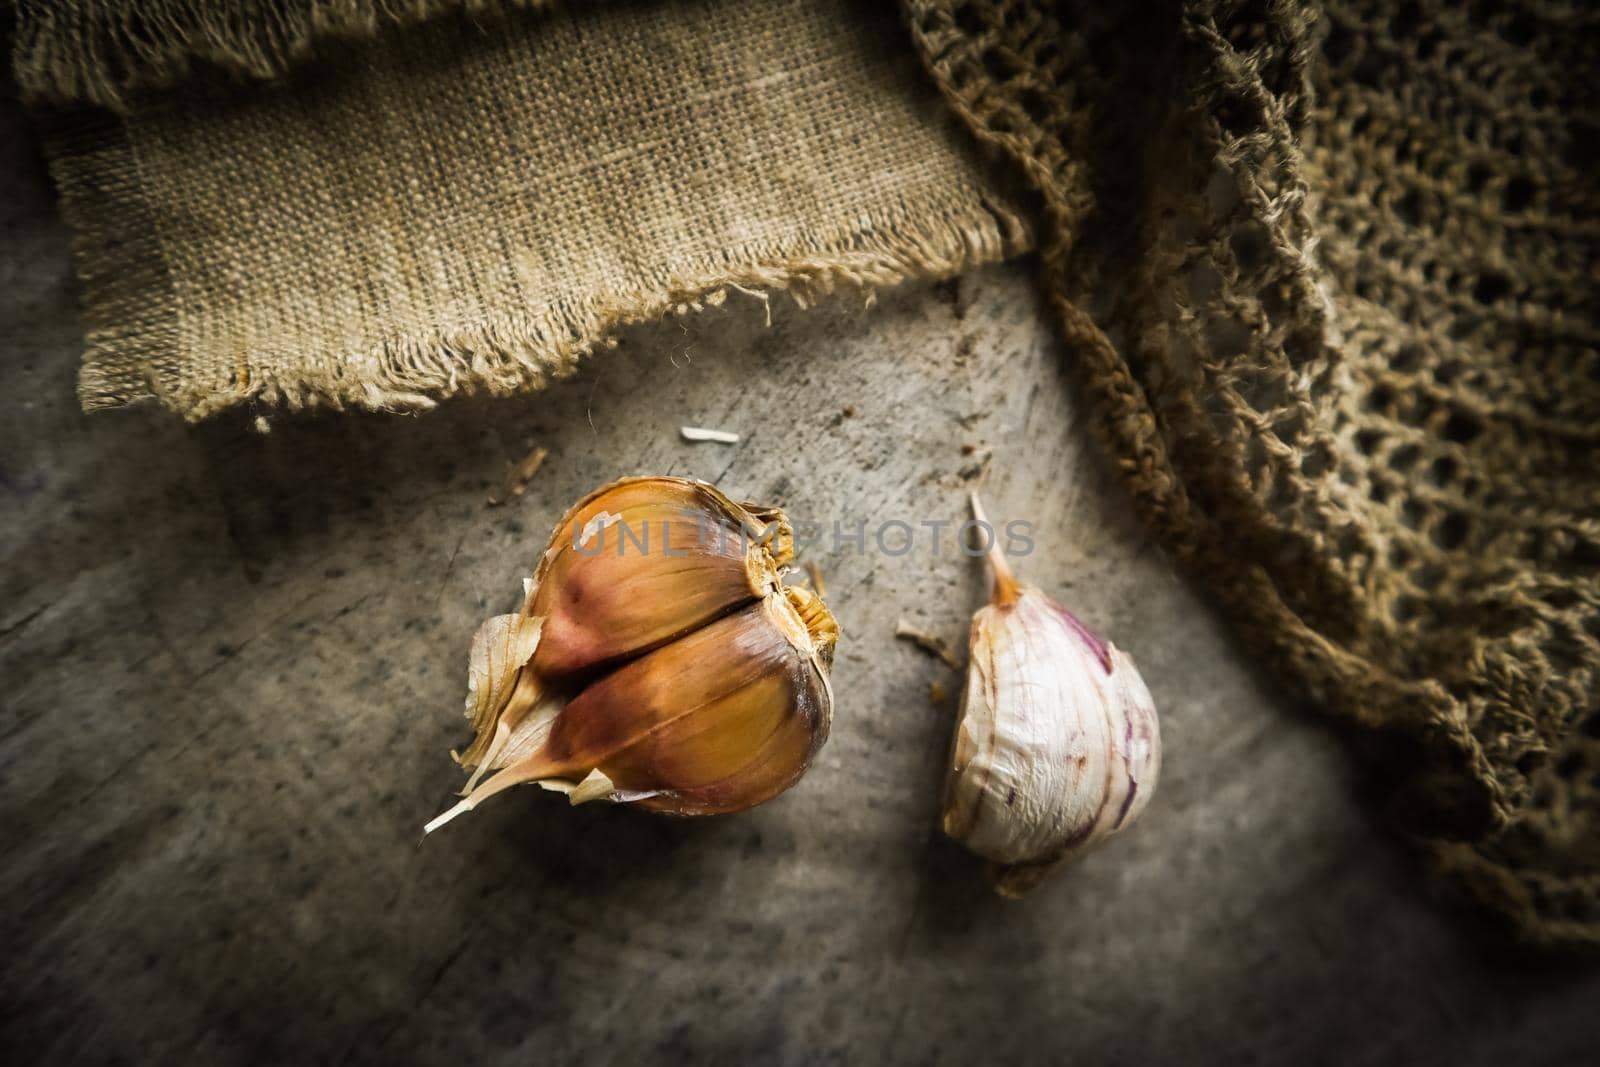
(630, 567)
(723, 719)
(1057, 747)
(720, 720)
(642, 562)
(689, 681)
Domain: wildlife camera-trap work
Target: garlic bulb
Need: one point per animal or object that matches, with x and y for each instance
(658, 659)
(1057, 747)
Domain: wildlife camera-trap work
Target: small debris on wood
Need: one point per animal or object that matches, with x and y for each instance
(814, 572)
(697, 433)
(975, 466)
(517, 481)
(754, 294)
(927, 642)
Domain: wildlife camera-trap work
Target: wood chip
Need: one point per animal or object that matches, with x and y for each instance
(927, 642)
(696, 433)
(517, 481)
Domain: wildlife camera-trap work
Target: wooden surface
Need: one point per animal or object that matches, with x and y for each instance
(233, 666)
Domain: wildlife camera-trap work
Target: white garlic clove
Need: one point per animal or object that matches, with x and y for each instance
(1058, 746)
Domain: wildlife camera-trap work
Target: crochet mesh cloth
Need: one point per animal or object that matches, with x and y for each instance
(1329, 279)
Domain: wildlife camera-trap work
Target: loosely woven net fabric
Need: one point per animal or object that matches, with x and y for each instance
(1329, 276)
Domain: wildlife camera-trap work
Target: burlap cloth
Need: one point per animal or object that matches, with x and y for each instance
(472, 203)
(1326, 272)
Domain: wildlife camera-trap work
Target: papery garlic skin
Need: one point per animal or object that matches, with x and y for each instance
(678, 673)
(1058, 746)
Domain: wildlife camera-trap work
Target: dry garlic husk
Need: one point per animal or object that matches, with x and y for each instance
(1057, 747)
(658, 659)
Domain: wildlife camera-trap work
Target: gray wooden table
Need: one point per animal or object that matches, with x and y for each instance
(233, 667)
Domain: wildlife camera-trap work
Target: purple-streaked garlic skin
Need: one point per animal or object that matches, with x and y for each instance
(1058, 746)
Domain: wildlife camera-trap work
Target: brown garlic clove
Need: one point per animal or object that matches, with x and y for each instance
(685, 677)
(628, 568)
(722, 719)
(643, 561)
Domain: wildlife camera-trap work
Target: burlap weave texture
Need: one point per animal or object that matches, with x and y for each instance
(471, 205)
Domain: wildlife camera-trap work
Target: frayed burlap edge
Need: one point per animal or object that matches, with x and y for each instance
(134, 351)
(68, 51)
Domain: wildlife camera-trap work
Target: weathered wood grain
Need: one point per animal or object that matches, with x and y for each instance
(233, 666)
